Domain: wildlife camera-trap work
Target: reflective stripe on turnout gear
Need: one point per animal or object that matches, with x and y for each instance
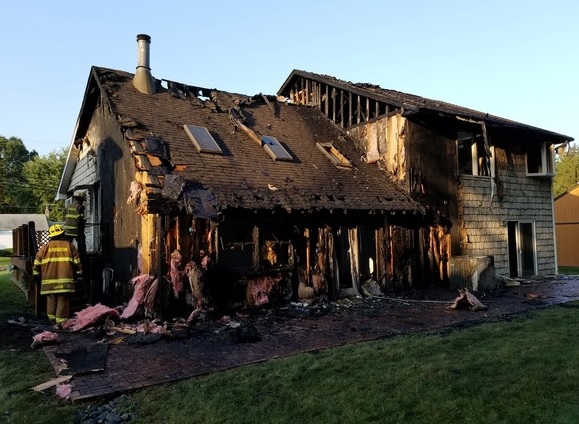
(57, 262)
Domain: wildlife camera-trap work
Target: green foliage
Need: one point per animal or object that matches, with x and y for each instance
(28, 182)
(5, 252)
(43, 176)
(15, 195)
(567, 171)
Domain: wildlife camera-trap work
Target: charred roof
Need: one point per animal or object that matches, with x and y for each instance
(412, 105)
(240, 173)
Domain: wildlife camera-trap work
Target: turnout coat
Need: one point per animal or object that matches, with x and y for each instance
(57, 263)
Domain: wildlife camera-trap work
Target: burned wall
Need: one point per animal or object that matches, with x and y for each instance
(120, 224)
(383, 140)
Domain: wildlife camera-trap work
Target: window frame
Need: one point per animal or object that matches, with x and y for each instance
(546, 160)
(476, 155)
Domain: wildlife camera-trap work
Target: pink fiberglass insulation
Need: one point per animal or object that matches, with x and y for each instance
(150, 328)
(135, 192)
(89, 316)
(150, 297)
(63, 390)
(195, 276)
(259, 289)
(43, 338)
(175, 274)
(141, 285)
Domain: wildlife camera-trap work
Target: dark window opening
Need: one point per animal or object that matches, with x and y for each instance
(540, 159)
(472, 155)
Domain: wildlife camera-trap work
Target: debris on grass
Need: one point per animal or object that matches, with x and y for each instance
(467, 300)
(51, 383)
(63, 391)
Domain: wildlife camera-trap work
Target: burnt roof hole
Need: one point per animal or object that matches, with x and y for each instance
(201, 96)
(257, 197)
(316, 197)
(331, 198)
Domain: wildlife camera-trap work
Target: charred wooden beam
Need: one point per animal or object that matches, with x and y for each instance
(237, 122)
(307, 236)
(342, 108)
(327, 101)
(256, 252)
(333, 105)
(267, 102)
(349, 108)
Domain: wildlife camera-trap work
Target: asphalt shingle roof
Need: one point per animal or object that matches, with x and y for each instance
(411, 103)
(245, 176)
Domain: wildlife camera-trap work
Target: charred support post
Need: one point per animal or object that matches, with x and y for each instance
(256, 252)
(216, 246)
(354, 253)
(159, 259)
(349, 108)
(308, 253)
(333, 105)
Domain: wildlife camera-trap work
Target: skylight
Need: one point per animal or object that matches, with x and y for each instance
(275, 149)
(335, 156)
(202, 140)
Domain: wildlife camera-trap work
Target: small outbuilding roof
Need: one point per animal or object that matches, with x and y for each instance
(12, 221)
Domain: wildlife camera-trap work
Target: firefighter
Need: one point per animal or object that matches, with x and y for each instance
(74, 221)
(56, 266)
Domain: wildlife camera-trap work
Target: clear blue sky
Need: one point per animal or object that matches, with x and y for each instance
(515, 59)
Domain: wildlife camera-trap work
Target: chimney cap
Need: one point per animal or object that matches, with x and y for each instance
(143, 37)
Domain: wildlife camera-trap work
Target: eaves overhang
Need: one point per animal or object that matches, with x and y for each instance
(89, 102)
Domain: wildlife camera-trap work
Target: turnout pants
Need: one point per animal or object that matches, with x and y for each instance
(57, 307)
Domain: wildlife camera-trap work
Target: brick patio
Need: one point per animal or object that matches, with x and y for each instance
(287, 332)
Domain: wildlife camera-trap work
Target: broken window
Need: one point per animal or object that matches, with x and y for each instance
(335, 156)
(473, 157)
(202, 140)
(540, 159)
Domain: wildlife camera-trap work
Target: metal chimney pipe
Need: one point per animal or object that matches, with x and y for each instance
(143, 80)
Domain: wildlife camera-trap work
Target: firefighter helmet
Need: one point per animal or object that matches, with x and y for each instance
(55, 230)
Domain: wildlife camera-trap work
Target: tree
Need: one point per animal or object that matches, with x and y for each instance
(567, 174)
(15, 195)
(43, 176)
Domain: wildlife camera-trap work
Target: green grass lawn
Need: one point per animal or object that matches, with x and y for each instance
(569, 270)
(523, 370)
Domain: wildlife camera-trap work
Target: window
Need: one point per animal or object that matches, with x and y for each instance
(335, 156)
(274, 149)
(540, 160)
(202, 140)
(473, 159)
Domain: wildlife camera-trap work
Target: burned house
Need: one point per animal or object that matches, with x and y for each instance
(259, 199)
(485, 181)
(310, 193)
